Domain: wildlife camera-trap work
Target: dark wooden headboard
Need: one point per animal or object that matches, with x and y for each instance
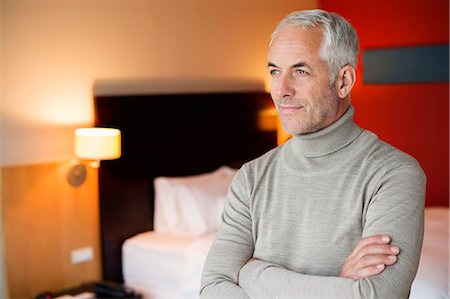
(169, 135)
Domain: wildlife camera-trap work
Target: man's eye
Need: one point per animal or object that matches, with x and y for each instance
(301, 72)
(274, 72)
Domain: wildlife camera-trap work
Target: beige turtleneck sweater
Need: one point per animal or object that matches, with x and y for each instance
(301, 208)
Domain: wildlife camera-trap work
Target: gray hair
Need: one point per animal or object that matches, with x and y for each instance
(340, 45)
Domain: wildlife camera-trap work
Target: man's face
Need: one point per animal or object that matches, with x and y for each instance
(299, 86)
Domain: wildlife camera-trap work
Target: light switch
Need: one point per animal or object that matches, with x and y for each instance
(82, 255)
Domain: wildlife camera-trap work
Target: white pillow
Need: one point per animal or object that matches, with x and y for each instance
(191, 205)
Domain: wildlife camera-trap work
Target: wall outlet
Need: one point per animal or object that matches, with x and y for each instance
(82, 255)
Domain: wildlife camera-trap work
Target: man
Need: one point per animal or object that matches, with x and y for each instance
(326, 214)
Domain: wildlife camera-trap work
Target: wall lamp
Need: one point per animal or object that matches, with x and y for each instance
(91, 146)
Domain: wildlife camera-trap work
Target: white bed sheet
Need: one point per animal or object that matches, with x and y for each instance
(432, 279)
(161, 265)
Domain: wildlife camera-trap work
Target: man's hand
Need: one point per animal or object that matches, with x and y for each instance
(370, 257)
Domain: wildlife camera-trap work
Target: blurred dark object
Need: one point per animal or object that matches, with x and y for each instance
(106, 289)
(101, 289)
(45, 295)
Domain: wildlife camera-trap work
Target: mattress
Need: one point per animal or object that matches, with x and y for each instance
(432, 279)
(162, 265)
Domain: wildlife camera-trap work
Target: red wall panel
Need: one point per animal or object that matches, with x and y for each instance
(412, 117)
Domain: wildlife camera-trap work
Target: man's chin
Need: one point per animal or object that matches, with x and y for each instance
(297, 130)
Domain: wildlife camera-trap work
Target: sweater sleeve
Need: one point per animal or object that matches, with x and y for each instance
(396, 209)
(232, 247)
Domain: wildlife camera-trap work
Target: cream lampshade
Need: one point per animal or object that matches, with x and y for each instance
(97, 143)
(93, 144)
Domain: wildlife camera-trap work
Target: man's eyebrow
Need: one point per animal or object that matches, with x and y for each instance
(298, 64)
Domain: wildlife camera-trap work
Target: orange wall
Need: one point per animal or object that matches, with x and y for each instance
(55, 52)
(412, 117)
(44, 219)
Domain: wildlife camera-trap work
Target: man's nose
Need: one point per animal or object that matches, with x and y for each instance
(285, 86)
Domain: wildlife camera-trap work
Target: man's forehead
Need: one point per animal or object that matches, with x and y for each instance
(295, 39)
(296, 32)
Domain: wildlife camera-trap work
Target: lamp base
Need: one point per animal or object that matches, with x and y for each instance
(76, 175)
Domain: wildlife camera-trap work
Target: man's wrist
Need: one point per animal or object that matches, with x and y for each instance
(245, 264)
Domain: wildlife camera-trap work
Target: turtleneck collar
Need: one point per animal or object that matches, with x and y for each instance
(329, 139)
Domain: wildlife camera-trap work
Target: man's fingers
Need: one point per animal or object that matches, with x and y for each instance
(376, 239)
(370, 257)
(374, 260)
(369, 271)
(369, 264)
(377, 249)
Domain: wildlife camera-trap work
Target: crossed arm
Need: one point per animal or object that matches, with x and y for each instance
(374, 269)
(369, 257)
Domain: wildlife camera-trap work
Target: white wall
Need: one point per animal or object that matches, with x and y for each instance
(54, 51)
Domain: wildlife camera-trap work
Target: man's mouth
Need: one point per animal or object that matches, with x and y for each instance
(288, 109)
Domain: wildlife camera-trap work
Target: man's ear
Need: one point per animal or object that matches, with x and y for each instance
(345, 81)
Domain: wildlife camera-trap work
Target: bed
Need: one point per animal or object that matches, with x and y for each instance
(161, 265)
(168, 264)
(432, 279)
(178, 144)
